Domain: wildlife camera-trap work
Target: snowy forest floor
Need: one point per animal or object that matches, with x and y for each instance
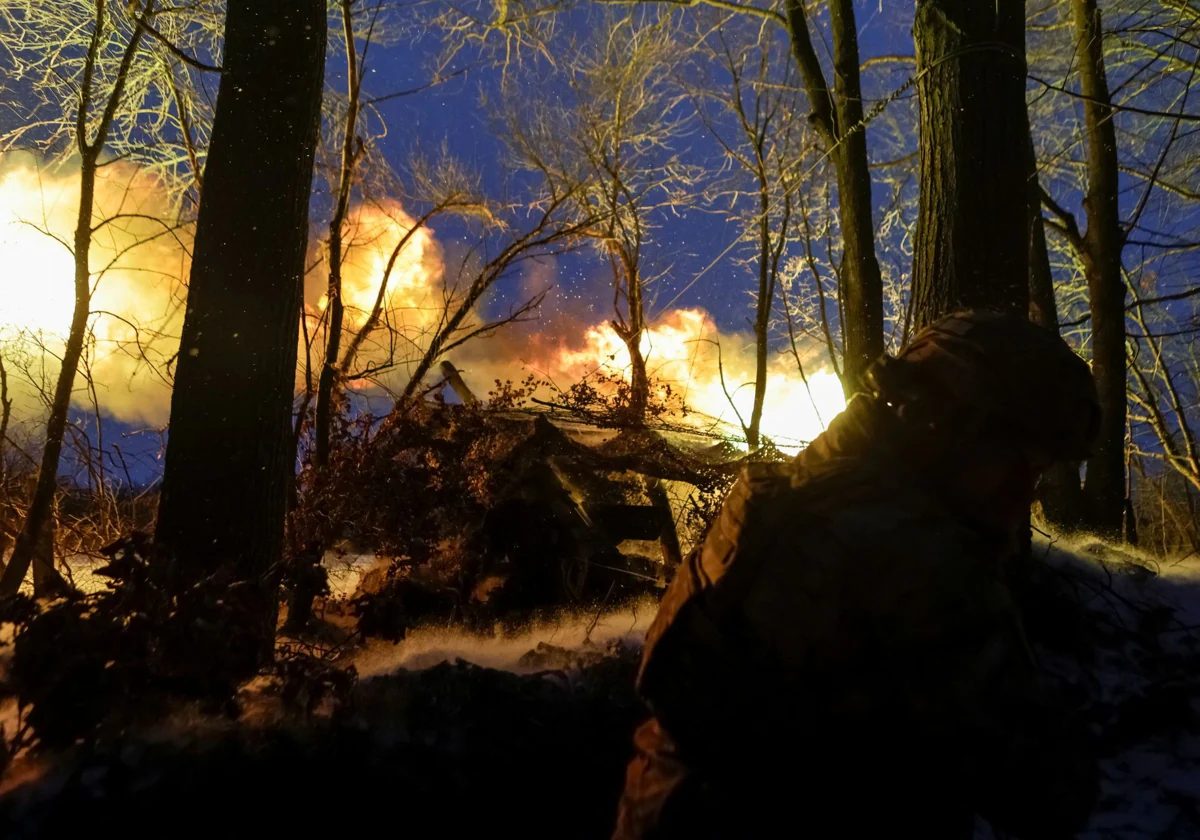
(527, 734)
(1143, 679)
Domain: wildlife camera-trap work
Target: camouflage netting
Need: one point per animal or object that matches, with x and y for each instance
(481, 513)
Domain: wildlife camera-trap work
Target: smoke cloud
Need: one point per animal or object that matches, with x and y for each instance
(140, 259)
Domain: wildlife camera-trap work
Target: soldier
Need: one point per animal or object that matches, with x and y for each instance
(842, 658)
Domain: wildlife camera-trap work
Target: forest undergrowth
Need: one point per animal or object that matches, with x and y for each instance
(528, 731)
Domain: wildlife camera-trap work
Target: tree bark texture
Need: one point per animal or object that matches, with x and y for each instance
(838, 116)
(229, 453)
(1104, 488)
(972, 241)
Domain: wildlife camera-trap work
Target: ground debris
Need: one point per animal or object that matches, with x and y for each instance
(456, 748)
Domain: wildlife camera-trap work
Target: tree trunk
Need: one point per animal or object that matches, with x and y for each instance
(6, 405)
(1104, 489)
(306, 578)
(328, 384)
(838, 116)
(41, 504)
(6, 491)
(1060, 492)
(639, 380)
(229, 452)
(1043, 307)
(972, 241)
(630, 331)
(862, 284)
(762, 317)
(46, 579)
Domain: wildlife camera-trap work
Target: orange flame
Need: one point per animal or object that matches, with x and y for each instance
(714, 374)
(411, 300)
(140, 285)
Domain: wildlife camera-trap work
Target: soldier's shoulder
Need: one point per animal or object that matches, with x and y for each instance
(846, 487)
(911, 525)
(843, 476)
(756, 485)
(861, 506)
(882, 510)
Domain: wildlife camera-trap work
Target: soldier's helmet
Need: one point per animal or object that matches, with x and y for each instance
(1017, 381)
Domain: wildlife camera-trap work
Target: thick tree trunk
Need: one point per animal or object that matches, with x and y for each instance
(972, 242)
(1104, 489)
(230, 453)
(838, 115)
(46, 579)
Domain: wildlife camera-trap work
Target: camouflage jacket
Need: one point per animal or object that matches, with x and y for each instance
(841, 619)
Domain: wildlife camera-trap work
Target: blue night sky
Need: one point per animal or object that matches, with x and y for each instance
(691, 252)
(451, 113)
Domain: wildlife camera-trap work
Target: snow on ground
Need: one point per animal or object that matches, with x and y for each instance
(345, 572)
(1151, 787)
(507, 651)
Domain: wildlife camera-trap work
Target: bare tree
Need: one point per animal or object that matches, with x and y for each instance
(100, 82)
(350, 152)
(6, 405)
(1164, 373)
(1104, 490)
(837, 113)
(6, 494)
(755, 120)
(1125, 135)
(609, 148)
(1060, 491)
(363, 176)
(102, 78)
